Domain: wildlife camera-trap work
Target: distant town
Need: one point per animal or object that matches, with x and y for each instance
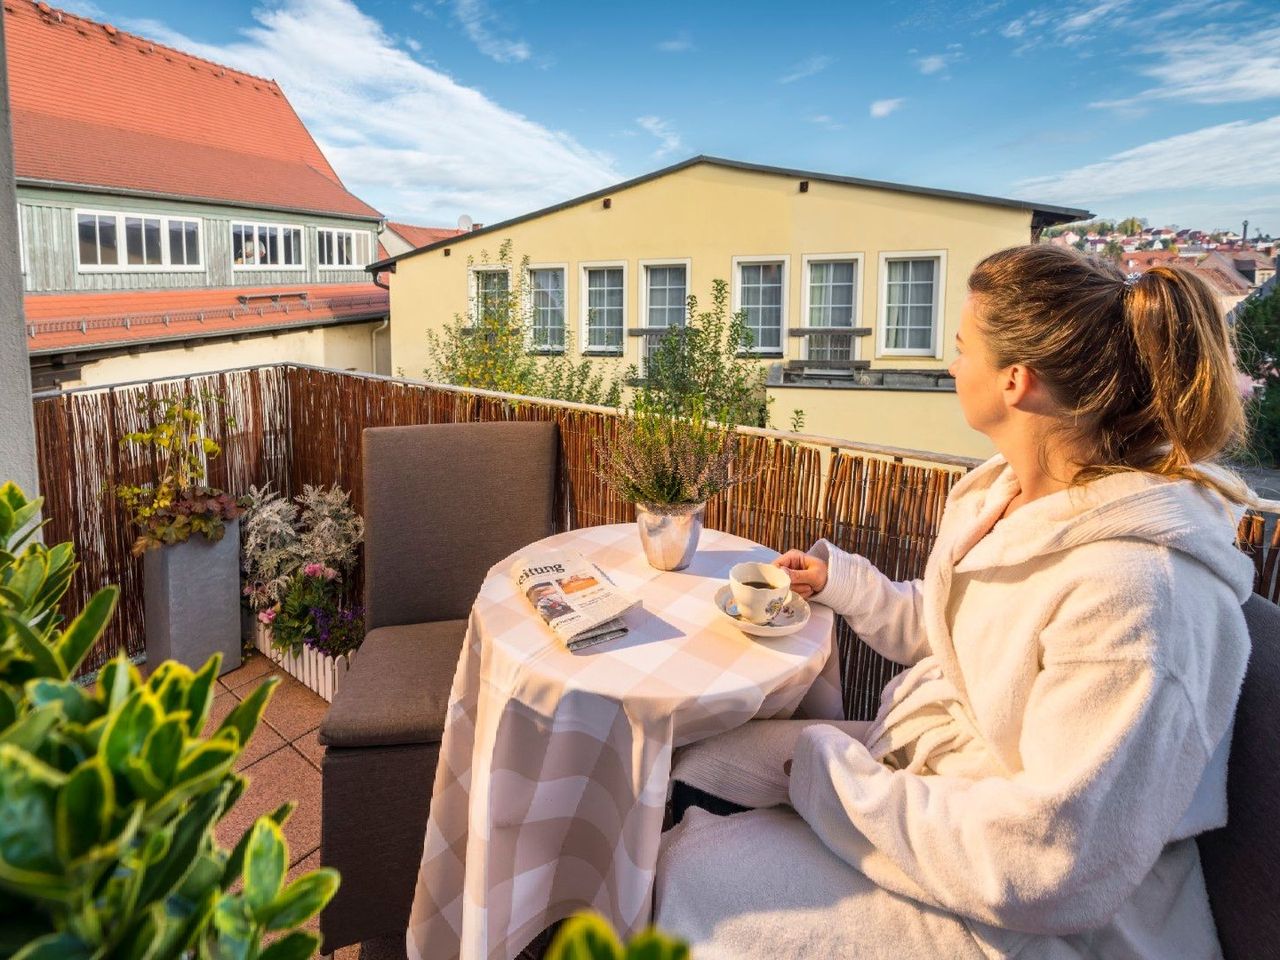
(1234, 264)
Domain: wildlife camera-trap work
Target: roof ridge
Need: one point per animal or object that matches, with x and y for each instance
(46, 12)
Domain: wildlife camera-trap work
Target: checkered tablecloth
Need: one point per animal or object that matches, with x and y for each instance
(553, 774)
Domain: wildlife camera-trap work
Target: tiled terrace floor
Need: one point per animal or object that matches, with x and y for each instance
(282, 763)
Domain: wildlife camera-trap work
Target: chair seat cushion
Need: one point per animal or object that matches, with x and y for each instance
(397, 691)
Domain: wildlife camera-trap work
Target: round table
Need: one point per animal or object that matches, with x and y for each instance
(553, 774)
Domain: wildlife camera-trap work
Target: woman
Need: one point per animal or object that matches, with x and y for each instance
(1032, 783)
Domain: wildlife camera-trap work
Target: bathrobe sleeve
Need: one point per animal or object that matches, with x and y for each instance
(1112, 747)
(888, 615)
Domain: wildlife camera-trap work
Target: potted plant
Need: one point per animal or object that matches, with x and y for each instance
(111, 791)
(669, 464)
(190, 566)
(298, 557)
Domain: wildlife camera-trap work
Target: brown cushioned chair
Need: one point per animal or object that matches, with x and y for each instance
(442, 504)
(1242, 860)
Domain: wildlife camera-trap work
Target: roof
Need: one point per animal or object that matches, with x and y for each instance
(66, 322)
(1043, 215)
(422, 236)
(95, 107)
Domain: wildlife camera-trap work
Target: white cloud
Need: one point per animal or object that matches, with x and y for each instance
(1090, 14)
(1208, 66)
(668, 140)
(1212, 158)
(882, 108)
(484, 29)
(938, 62)
(85, 8)
(825, 121)
(413, 44)
(680, 43)
(406, 138)
(807, 68)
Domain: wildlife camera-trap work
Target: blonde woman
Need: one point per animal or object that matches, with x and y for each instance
(1033, 782)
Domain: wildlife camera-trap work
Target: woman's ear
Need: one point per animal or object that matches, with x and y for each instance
(1018, 386)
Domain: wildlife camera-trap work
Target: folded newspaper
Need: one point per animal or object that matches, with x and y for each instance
(575, 598)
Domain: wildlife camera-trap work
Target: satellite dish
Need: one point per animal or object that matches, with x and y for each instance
(465, 223)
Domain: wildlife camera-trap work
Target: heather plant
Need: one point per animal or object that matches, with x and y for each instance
(178, 503)
(110, 792)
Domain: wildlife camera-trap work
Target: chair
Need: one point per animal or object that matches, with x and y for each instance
(442, 504)
(1239, 861)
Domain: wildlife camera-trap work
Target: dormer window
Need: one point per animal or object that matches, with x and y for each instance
(342, 249)
(120, 242)
(266, 246)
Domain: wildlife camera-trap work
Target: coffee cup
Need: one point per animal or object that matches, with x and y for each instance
(759, 590)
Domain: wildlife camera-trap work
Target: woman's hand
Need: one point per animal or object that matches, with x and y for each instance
(808, 574)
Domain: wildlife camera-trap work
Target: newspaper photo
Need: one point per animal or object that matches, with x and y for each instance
(573, 596)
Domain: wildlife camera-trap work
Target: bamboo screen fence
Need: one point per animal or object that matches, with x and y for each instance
(292, 425)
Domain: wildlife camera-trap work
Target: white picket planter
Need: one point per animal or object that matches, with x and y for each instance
(313, 670)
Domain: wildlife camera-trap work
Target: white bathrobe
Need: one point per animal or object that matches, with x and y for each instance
(1031, 784)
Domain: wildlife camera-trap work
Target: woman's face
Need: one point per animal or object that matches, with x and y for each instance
(978, 382)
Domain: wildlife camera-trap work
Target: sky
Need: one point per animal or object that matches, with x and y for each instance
(429, 109)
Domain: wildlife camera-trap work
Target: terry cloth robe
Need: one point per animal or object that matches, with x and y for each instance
(1032, 782)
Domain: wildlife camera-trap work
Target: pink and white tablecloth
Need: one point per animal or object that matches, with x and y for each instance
(553, 774)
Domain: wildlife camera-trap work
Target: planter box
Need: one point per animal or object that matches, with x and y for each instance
(191, 595)
(315, 671)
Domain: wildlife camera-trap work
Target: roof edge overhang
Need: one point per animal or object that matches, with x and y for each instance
(67, 187)
(1042, 215)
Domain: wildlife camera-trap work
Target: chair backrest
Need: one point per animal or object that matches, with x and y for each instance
(1242, 860)
(442, 504)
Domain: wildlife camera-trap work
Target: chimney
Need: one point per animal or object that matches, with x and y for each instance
(1245, 236)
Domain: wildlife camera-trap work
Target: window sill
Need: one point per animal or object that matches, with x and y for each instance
(759, 355)
(546, 352)
(602, 353)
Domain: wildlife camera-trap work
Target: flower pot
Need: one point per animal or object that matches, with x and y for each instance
(191, 597)
(314, 670)
(669, 532)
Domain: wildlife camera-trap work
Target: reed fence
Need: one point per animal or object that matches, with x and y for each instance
(291, 425)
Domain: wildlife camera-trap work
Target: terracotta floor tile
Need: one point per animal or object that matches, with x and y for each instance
(276, 778)
(255, 665)
(264, 741)
(293, 709)
(309, 746)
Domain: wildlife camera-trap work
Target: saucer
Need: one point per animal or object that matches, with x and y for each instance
(793, 615)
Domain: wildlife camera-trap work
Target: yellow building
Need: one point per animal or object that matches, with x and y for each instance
(852, 288)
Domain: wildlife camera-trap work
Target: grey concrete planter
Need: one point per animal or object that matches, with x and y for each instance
(192, 596)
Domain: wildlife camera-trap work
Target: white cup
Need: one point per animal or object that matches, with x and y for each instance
(759, 604)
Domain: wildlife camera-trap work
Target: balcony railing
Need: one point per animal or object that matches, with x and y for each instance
(295, 424)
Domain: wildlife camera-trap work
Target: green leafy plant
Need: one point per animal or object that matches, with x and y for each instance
(663, 459)
(497, 347)
(588, 936)
(708, 362)
(1258, 334)
(109, 794)
(178, 503)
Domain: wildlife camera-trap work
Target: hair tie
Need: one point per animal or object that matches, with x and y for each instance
(1131, 279)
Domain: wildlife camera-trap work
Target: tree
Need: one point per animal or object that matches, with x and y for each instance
(1258, 350)
(1130, 226)
(496, 347)
(1113, 249)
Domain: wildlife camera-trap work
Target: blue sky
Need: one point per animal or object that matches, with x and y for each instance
(1168, 110)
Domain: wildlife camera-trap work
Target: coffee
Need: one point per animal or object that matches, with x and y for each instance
(758, 584)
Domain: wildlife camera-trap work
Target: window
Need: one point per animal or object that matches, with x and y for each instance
(342, 249)
(604, 308)
(911, 304)
(761, 295)
(266, 246)
(832, 300)
(666, 289)
(546, 288)
(493, 288)
(136, 241)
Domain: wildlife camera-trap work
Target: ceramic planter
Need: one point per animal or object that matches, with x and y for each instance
(191, 593)
(314, 670)
(669, 533)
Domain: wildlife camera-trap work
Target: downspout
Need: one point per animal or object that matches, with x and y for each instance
(373, 334)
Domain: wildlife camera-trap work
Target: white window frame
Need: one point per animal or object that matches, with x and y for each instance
(320, 231)
(264, 225)
(122, 265)
(939, 300)
(584, 295)
(859, 279)
(643, 268)
(527, 303)
(736, 296)
(473, 283)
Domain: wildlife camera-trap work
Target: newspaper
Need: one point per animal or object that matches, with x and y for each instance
(573, 596)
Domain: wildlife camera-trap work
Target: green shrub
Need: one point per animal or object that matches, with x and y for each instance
(1258, 332)
(588, 936)
(109, 794)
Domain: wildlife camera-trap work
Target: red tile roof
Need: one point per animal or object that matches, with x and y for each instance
(421, 236)
(95, 106)
(60, 322)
